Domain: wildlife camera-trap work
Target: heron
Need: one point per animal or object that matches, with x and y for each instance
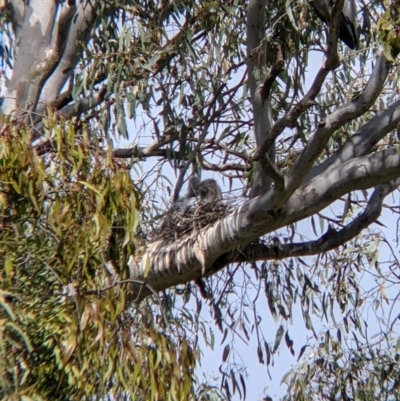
(347, 20)
(205, 191)
(209, 191)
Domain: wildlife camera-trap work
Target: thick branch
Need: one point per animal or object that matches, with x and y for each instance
(36, 57)
(359, 173)
(186, 259)
(259, 88)
(337, 119)
(255, 41)
(66, 14)
(330, 240)
(77, 34)
(363, 141)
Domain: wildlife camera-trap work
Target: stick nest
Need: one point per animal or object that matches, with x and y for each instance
(179, 223)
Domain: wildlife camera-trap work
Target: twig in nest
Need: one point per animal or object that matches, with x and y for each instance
(195, 217)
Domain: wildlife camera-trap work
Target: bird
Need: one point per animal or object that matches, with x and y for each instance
(204, 191)
(347, 19)
(193, 187)
(209, 191)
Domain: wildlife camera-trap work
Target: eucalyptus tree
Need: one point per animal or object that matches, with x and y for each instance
(102, 282)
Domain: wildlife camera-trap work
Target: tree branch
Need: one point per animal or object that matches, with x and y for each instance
(337, 119)
(141, 153)
(67, 12)
(259, 88)
(332, 61)
(359, 173)
(77, 31)
(186, 259)
(272, 171)
(224, 166)
(273, 74)
(289, 120)
(84, 104)
(326, 128)
(363, 140)
(36, 57)
(330, 240)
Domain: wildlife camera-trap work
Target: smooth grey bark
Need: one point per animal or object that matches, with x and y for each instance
(35, 59)
(200, 253)
(363, 140)
(47, 49)
(328, 241)
(75, 33)
(256, 66)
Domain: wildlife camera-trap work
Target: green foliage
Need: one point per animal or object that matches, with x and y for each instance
(68, 225)
(69, 214)
(338, 372)
(388, 27)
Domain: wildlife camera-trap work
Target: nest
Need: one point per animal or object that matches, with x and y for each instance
(179, 223)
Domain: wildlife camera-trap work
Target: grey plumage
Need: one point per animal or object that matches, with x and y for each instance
(209, 191)
(180, 205)
(347, 20)
(193, 187)
(204, 191)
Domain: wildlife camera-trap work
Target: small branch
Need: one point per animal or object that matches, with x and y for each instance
(207, 121)
(224, 166)
(332, 57)
(141, 153)
(275, 71)
(290, 118)
(227, 149)
(84, 104)
(272, 171)
(62, 100)
(135, 151)
(117, 283)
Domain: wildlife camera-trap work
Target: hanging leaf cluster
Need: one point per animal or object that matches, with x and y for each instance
(68, 223)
